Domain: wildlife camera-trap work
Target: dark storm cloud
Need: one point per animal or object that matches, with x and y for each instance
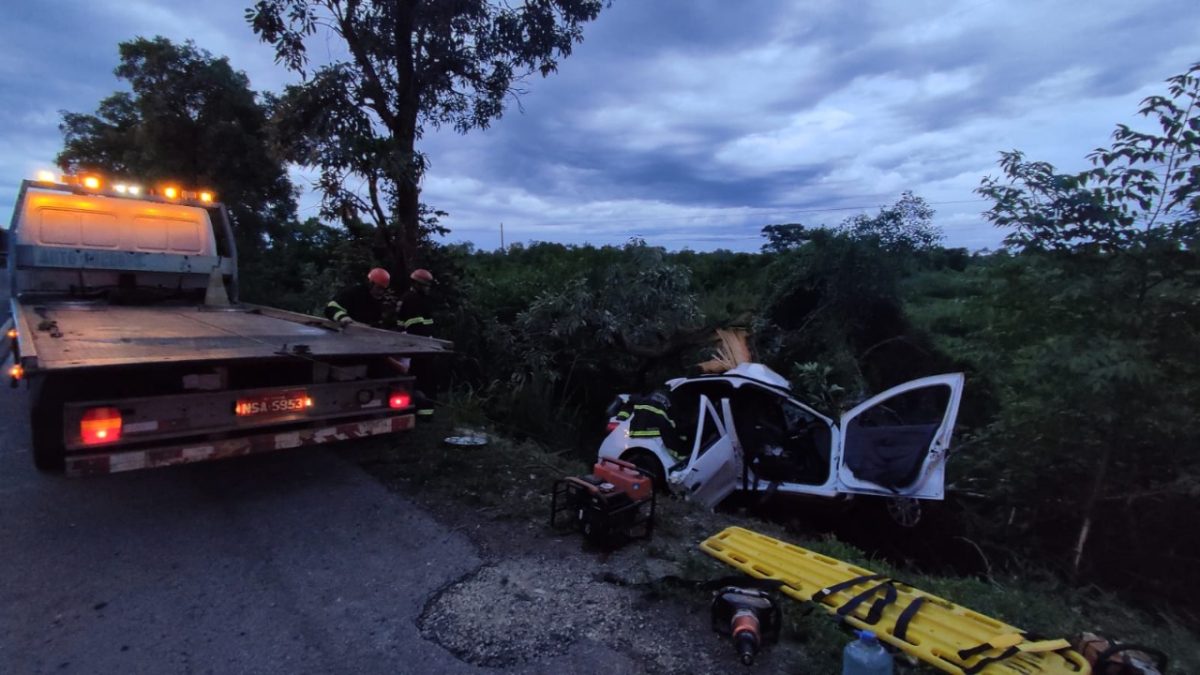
(695, 122)
(826, 104)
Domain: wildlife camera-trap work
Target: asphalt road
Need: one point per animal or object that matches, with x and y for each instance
(295, 562)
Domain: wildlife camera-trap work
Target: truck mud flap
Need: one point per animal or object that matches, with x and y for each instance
(132, 460)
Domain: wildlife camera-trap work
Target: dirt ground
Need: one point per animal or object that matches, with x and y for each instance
(539, 590)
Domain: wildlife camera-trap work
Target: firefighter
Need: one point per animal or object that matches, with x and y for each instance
(372, 303)
(414, 316)
(413, 309)
(651, 418)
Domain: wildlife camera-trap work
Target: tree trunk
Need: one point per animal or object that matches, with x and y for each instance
(1089, 507)
(404, 138)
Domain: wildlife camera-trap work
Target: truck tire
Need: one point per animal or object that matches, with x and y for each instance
(648, 462)
(45, 428)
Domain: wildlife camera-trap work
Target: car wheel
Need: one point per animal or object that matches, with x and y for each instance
(646, 461)
(904, 511)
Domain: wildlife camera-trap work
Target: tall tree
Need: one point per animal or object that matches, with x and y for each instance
(906, 225)
(411, 64)
(188, 117)
(1093, 327)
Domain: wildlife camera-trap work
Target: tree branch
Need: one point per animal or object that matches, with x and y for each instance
(372, 83)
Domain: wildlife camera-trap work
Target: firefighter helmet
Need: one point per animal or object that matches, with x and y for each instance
(660, 398)
(379, 277)
(421, 276)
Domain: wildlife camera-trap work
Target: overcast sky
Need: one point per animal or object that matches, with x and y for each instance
(693, 123)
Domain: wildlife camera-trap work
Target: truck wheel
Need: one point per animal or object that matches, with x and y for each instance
(646, 461)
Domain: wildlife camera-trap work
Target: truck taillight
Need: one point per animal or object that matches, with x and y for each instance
(399, 399)
(100, 425)
(612, 426)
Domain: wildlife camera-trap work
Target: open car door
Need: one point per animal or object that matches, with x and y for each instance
(713, 470)
(896, 443)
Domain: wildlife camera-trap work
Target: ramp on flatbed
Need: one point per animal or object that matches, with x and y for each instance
(61, 336)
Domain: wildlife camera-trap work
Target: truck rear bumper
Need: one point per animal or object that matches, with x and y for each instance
(131, 460)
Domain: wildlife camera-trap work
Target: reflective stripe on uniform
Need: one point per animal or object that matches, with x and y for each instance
(645, 433)
(657, 411)
(416, 321)
(623, 415)
(338, 310)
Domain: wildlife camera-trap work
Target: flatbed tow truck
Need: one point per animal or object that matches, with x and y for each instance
(126, 327)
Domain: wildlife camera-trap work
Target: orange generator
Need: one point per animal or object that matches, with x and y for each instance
(610, 506)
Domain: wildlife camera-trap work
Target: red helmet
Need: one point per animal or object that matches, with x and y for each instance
(421, 276)
(379, 277)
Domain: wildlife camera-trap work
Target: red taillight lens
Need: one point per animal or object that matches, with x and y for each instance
(399, 399)
(100, 425)
(612, 426)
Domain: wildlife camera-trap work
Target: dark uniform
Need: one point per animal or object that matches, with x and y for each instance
(414, 315)
(649, 417)
(358, 303)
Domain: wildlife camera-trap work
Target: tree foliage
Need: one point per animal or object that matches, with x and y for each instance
(784, 237)
(189, 117)
(905, 226)
(411, 64)
(1143, 191)
(551, 332)
(1090, 334)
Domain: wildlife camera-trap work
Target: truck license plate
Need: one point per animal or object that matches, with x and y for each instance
(273, 404)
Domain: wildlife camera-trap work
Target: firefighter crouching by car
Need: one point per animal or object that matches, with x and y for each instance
(413, 315)
(650, 417)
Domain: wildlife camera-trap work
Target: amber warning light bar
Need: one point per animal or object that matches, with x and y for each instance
(96, 184)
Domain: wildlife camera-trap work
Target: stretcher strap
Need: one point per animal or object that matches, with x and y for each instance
(998, 642)
(849, 583)
(984, 663)
(900, 631)
(1012, 644)
(877, 608)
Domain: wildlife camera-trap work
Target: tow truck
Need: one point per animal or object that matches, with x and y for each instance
(125, 324)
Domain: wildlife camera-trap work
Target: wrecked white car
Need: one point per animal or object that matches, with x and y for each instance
(743, 430)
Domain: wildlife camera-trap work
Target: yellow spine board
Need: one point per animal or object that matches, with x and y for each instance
(936, 632)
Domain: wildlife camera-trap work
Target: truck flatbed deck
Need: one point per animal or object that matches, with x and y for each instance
(76, 335)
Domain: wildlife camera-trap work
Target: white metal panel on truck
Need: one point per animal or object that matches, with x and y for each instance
(55, 219)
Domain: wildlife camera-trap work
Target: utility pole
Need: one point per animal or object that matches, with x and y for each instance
(502, 237)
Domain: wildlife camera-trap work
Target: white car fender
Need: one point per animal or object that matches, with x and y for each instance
(618, 442)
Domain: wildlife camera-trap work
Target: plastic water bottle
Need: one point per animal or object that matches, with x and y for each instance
(865, 656)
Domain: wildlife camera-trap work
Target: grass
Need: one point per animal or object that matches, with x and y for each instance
(510, 481)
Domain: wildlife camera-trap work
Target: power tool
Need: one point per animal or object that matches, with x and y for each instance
(750, 616)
